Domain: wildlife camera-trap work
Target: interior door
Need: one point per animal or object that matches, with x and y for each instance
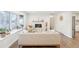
(73, 26)
(51, 23)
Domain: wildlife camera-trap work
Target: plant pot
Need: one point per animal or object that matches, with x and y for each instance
(3, 34)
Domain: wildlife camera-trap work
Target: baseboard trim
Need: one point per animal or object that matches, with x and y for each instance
(64, 34)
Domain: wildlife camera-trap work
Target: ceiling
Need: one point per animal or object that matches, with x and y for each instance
(46, 12)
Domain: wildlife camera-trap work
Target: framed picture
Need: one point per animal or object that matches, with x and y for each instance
(61, 18)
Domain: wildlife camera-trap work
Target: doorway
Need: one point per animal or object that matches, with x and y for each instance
(75, 26)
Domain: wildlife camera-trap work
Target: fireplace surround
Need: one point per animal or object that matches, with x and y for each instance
(38, 25)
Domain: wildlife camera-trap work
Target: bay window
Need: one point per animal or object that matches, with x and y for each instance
(10, 21)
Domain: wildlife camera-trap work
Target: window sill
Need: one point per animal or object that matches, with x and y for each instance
(11, 33)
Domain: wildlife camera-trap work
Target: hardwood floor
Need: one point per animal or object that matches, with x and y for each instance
(70, 43)
(64, 43)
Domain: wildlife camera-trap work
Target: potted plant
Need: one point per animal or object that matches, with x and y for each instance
(2, 32)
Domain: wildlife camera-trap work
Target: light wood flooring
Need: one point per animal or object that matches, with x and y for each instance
(65, 42)
(70, 43)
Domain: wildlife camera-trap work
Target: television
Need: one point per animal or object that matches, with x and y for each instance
(38, 25)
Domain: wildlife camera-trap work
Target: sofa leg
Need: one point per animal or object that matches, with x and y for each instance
(20, 46)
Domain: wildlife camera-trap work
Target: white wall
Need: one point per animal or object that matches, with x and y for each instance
(64, 26)
(36, 16)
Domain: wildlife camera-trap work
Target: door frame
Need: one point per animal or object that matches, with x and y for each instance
(73, 26)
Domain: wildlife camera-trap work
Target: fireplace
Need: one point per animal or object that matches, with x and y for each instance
(38, 25)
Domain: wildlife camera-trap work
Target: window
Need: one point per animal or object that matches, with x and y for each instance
(20, 21)
(13, 21)
(10, 22)
(4, 20)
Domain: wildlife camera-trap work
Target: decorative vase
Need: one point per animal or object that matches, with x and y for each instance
(46, 24)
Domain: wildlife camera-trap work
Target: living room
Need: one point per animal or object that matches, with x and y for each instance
(35, 22)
